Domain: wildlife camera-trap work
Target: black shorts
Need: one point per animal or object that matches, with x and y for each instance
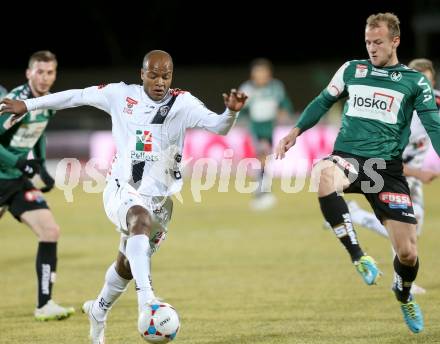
(260, 138)
(261, 144)
(381, 181)
(20, 195)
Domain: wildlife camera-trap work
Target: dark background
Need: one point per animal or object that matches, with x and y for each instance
(211, 42)
(104, 34)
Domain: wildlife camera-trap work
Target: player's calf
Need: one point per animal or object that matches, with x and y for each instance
(336, 213)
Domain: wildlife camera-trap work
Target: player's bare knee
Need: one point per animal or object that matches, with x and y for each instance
(138, 221)
(317, 178)
(408, 255)
(49, 232)
(327, 182)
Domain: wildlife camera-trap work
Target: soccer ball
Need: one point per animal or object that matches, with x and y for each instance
(158, 323)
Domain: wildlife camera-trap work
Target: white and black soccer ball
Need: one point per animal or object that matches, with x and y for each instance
(158, 323)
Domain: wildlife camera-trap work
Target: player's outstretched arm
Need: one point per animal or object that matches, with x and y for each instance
(93, 96)
(235, 100)
(286, 143)
(201, 117)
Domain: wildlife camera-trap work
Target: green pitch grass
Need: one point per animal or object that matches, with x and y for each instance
(234, 275)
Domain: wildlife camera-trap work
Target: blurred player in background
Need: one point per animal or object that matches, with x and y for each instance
(367, 157)
(17, 193)
(268, 102)
(149, 124)
(413, 158)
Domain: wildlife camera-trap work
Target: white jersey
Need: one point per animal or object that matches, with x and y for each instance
(149, 135)
(418, 144)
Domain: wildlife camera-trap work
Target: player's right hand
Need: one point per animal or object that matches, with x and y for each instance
(286, 143)
(29, 167)
(16, 107)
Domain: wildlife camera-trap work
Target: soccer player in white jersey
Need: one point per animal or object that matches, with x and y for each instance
(413, 158)
(149, 123)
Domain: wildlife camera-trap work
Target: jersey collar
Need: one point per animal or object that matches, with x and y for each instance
(146, 97)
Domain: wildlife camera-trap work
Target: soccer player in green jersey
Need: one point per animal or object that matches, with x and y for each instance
(267, 102)
(367, 157)
(17, 193)
(413, 159)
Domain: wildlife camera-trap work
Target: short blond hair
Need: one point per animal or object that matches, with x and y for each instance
(42, 55)
(390, 19)
(422, 65)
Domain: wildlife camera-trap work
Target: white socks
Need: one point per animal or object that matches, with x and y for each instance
(138, 254)
(114, 286)
(368, 220)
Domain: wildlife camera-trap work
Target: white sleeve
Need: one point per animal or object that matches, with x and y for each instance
(96, 96)
(337, 84)
(198, 116)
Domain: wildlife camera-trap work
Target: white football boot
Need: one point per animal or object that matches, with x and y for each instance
(53, 311)
(97, 328)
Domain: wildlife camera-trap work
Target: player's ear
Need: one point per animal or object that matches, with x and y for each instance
(396, 42)
(28, 73)
(142, 74)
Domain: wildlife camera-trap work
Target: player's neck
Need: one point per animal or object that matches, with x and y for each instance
(35, 93)
(392, 61)
(165, 97)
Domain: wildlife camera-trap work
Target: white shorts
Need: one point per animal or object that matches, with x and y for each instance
(416, 191)
(119, 198)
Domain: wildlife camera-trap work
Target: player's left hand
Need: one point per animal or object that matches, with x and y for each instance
(16, 107)
(286, 143)
(47, 179)
(235, 100)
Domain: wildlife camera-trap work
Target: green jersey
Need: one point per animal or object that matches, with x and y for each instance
(17, 140)
(263, 105)
(377, 114)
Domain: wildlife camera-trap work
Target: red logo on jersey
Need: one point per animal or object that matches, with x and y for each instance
(131, 101)
(101, 86)
(177, 91)
(361, 71)
(129, 106)
(33, 195)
